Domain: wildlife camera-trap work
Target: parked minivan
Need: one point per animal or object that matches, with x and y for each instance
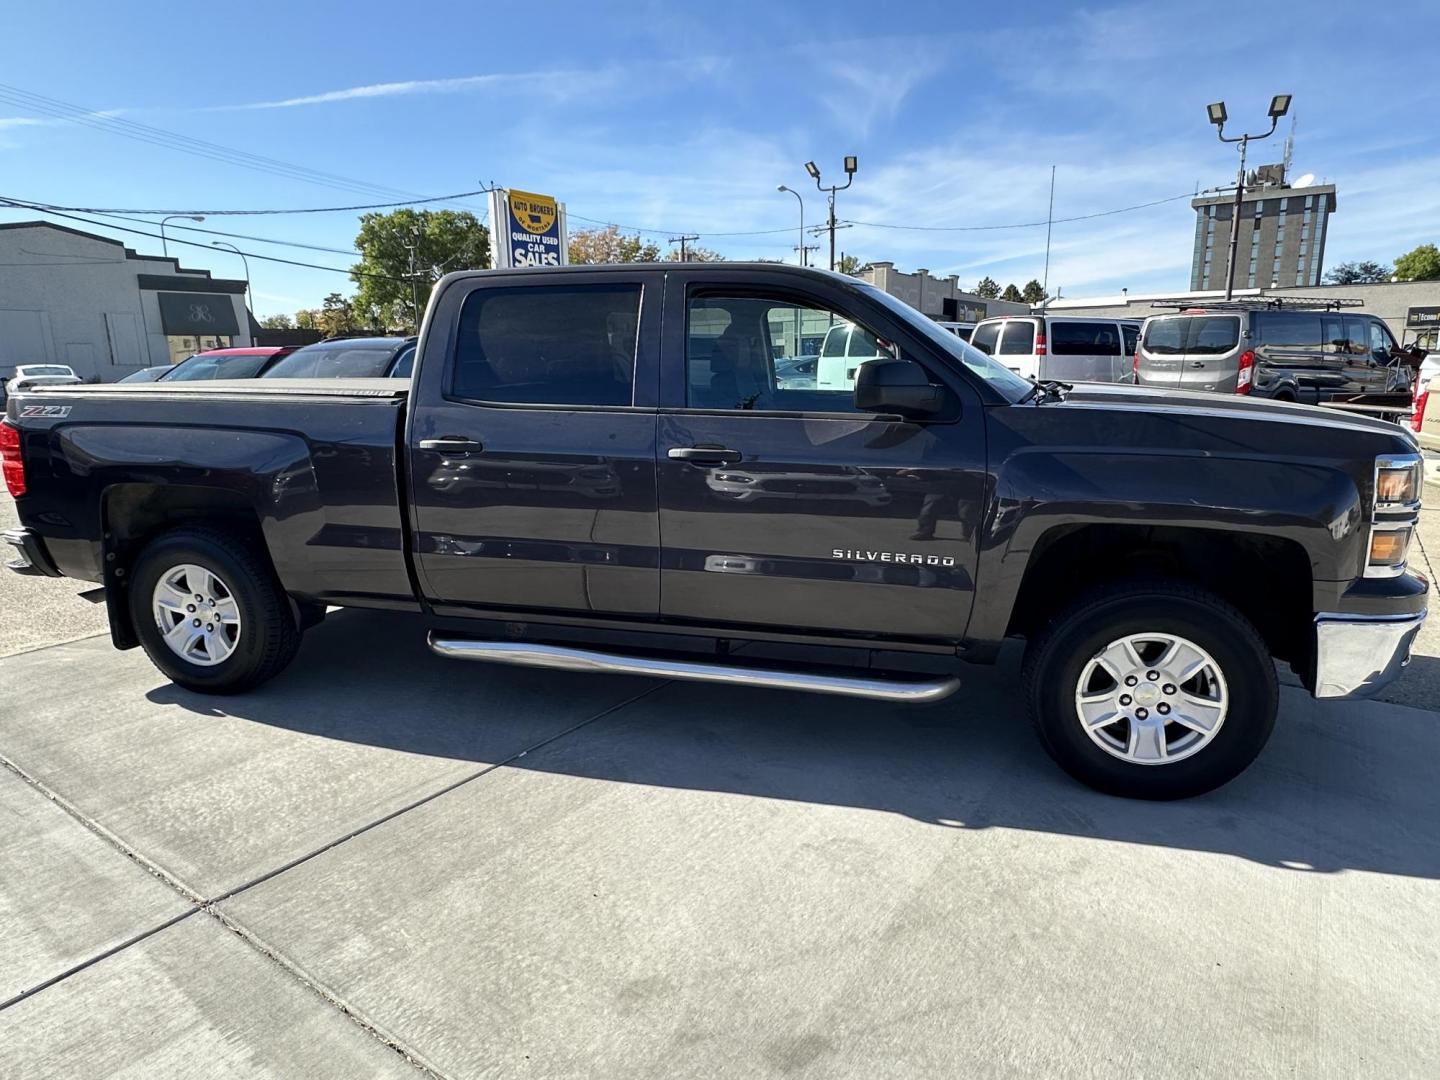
(1287, 355)
(1067, 348)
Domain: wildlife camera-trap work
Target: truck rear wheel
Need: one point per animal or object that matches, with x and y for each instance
(1151, 690)
(210, 613)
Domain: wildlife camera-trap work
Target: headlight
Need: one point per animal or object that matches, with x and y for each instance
(1397, 482)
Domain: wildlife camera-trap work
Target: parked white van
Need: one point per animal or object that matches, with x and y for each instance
(1066, 348)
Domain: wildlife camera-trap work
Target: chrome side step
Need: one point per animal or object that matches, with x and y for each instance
(564, 658)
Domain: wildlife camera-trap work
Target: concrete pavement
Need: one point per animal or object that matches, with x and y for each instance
(387, 864)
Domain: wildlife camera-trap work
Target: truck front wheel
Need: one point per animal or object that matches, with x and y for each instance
(1151, 690)
(209, 611)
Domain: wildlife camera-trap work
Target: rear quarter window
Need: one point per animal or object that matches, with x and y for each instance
(985, 336)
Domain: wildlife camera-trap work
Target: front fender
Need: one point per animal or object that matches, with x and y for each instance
(1042, 489)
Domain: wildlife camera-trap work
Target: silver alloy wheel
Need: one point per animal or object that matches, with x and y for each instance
(197, 614)
(1152, 699)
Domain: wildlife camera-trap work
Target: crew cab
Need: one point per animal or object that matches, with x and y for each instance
(595, 468)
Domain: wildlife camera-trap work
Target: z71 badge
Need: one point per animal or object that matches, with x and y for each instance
(47, 411)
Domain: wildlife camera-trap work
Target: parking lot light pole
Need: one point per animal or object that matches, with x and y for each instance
(852, 163)
(1279, 106)
(801, 201)
(249, 296)
(164, 246)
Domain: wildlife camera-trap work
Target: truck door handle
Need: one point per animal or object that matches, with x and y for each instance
(1197, 363)
(451, 444)
(704, 455)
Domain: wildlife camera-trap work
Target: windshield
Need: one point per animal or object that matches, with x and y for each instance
(335, 361)
(45, 369)
(1000, 378)
(200, 366)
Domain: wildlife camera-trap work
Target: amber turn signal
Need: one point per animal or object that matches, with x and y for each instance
(1387, 547)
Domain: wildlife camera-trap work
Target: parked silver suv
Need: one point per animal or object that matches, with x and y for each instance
(1287, 355)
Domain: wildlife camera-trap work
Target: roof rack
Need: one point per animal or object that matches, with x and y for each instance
(1271, 303)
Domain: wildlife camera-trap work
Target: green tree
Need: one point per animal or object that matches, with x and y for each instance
(337, 316)
(695, 253)
(1421, 264)
(1358, 273)
(1012, 294)
(308, 318)
(610, 245)
(277, 322)
(1033, 292)
(988, 288)
(849, 264)
(424, 243)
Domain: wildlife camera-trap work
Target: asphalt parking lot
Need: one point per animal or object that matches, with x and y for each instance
(383, 863)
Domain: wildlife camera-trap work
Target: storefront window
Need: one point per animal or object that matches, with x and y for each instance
(182, 346)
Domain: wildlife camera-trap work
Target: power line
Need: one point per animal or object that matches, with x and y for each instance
(236, 213)
(1022, 224)
(207, 247)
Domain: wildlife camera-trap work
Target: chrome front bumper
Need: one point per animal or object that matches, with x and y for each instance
(1356, 655)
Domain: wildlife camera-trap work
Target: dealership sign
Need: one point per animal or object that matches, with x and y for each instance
(1422, 318)
(529, 229)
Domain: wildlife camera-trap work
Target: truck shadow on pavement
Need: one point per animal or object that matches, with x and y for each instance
(1341, 786)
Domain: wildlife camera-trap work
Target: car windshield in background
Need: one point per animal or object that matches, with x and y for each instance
(1000, 378)
(335, 360)
(203, 367)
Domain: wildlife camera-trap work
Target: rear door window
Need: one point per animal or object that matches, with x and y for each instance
(985, 336)
(1018, 339)
(1166, 337)
(1213, 334)
(548, 345)
(1083, 339)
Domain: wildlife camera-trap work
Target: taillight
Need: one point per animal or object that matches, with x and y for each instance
(1040, 343)
(1135, 367)
(1246, 380)
(1418, 416)
(10, 460)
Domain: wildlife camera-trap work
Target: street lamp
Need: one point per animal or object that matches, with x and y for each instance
(1279, 106)
(164, 247)
(249, 297)
(852, 164)
(801, 201)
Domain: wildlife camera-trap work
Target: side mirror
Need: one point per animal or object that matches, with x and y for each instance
(897, 386)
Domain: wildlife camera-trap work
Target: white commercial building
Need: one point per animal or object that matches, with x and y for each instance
(71, 297)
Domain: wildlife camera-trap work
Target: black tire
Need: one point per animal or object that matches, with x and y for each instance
(1057, 658)
(268, 638)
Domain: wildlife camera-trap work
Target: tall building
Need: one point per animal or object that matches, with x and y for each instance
(1282, 233)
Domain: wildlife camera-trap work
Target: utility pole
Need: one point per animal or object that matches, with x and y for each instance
(682, 241)
(413, 248)
(804, 250)
(1279, 106)
(1049, 220)
(852, 164)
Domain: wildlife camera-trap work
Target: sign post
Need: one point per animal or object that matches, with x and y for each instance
(526, 229)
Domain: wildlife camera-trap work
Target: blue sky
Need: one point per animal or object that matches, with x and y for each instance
(685, 117)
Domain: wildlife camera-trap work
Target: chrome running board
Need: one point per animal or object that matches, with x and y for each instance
(564, 658)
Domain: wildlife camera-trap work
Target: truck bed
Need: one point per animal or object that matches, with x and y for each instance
(312, 460)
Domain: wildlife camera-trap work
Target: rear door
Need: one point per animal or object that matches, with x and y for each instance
(1016, 348)
(1288, 358)
(531, 443)
(1162, 351)
(784, 507)
(1212, 353)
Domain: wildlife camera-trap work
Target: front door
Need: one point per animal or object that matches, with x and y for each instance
(532, 446)
(781, 506)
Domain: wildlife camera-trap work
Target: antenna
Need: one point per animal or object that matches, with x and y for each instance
(1289, 150)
